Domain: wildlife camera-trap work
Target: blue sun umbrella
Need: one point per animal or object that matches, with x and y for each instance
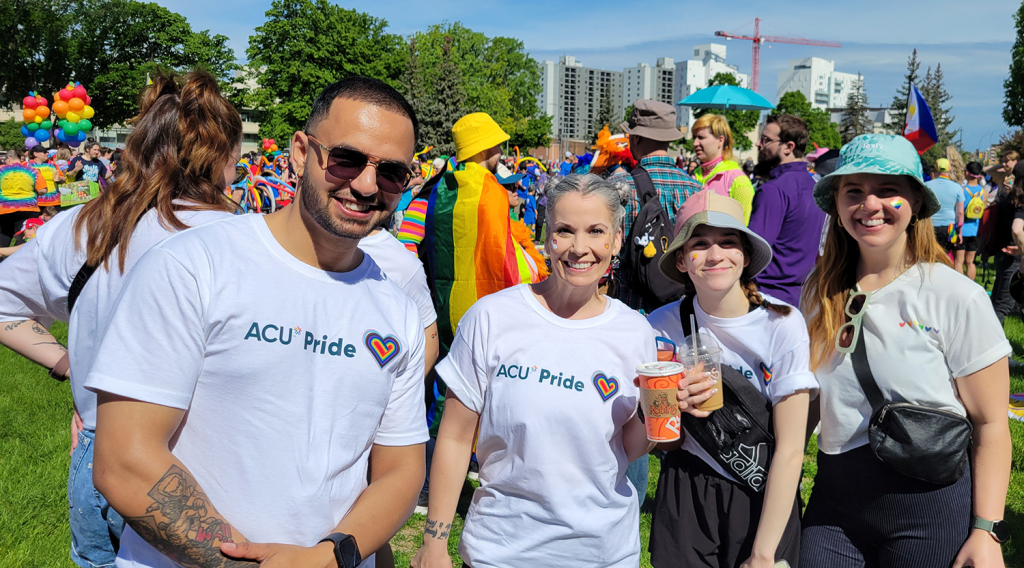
(727, 97)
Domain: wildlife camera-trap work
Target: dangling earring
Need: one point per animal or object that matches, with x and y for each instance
(840, 221)
(913, 219)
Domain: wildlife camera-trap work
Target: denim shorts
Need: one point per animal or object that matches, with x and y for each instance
(95, 527)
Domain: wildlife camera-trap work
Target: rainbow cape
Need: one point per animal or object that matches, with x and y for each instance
(469, 247)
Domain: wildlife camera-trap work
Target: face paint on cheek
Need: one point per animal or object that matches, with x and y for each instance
(554, 245)
(897, 202)
(607, 246)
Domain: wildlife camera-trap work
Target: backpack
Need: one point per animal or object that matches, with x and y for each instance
(740, 436)
(647, 241)
(976, 206)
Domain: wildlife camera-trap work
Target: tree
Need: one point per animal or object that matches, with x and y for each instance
(934, 93)
(821, 130)
(10, 134)
(306, 45)
(497, 75)
(1013, 87)
(107, 45)
(855, 116)
(898, 106)
(438, 114)
(605, 116)
(741, 122)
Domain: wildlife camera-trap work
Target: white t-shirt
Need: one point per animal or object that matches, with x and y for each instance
(771, 351)
(553, 490)
(402, 267)
(928, 327)
(34, 283)
(285, 392)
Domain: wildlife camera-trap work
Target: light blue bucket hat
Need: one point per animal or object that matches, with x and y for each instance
(882, 154)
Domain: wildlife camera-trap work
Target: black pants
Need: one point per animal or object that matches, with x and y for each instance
(1002, 303)
(10, 223)
(862, 513)
(539, 225)
(701, 519)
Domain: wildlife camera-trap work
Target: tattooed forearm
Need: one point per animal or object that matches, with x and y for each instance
(437, 529)
(39, 329)
(58, 344)
(183, 525)
(14, 325)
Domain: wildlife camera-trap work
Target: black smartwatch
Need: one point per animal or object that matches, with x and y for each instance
(346, 551)
(999, 530)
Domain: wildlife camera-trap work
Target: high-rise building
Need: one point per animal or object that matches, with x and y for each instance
(818, 80)
(646, 82)
(572, 93)
(695, 74)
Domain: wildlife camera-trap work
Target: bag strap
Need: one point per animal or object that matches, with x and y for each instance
(685, 311)
(645, 190)
(863, 371)
(81, 279)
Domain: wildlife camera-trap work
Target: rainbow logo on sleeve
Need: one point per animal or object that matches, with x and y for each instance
(766, 372)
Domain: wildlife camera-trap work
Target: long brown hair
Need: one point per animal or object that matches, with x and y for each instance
(183, 136)
(828, 287)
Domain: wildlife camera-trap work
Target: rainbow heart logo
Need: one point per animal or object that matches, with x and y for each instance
(766, 371)
(384, 349)
(607, 386)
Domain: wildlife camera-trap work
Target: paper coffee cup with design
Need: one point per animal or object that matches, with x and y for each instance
(659, 383)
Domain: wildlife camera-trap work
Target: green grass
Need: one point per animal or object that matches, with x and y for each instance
(34, 415)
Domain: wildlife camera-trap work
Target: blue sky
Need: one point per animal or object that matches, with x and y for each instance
(972, 41)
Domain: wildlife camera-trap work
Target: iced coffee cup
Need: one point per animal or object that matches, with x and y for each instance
(699, 353)
(659, 383)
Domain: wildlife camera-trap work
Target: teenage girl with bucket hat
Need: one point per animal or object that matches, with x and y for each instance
(891, 321)
(703, 514)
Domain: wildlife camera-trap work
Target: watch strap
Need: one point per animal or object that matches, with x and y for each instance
(346, 551)
(994, 528)
(985, 525)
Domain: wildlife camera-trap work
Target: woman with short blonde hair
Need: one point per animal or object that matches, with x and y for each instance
(718, 170)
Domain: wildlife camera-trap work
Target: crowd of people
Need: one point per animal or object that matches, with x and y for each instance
(210, 429)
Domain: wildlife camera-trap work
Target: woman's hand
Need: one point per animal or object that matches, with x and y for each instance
(980, 551)
(759, 562)
(433, 554)
(695, 390)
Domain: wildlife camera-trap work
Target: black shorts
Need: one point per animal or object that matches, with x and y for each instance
(702, 519)
(969, 244)
(942, 235)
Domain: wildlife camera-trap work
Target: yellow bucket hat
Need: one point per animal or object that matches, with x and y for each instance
(475, 133)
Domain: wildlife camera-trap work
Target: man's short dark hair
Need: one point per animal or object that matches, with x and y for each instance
(791, 129)
(362, 89)
(37, 148)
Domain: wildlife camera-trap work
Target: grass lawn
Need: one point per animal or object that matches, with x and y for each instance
(34, 414)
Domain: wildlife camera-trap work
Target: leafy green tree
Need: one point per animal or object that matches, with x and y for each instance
(304, 46)
(1013, 87)
(820, 128)
(437, 114)
(898, 105)
(107, 45)
(741, 122)
(855, 114)
(497, 75)
(935, 94)
(10, 134)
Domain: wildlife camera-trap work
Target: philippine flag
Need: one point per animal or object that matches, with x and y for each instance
(919, 128)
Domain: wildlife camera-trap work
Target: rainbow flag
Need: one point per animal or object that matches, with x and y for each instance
(469, 249)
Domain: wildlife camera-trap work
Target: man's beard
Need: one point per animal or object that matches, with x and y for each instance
(767, 163)
(319, 209)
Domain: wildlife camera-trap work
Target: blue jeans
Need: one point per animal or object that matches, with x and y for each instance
(95, 527)
(637, 472)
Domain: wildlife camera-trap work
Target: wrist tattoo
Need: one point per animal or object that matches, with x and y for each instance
(437, 529)
(182, 525)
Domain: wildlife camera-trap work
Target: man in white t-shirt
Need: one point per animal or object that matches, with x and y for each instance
(224, 421)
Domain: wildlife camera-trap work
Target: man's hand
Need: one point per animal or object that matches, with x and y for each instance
(283, 555)
(76, 427)
(433, 554)
(1013, 250)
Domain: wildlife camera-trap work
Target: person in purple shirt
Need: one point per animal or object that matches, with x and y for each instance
(784, 213)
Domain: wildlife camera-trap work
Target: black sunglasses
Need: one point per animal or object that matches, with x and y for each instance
(346, 164)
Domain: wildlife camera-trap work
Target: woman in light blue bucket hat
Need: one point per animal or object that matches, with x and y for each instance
(883, 294)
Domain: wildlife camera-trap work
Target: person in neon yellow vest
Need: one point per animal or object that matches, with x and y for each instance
(718, 171)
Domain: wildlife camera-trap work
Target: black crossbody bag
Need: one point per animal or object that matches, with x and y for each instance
(740, 436)
(918, 441)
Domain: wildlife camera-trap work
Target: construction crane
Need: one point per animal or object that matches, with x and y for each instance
(758, 39)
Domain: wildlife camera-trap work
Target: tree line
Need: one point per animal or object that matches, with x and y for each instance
(446, 71)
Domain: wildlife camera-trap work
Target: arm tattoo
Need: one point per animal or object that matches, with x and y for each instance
(437, 529)
(39, 329)
(14, 325)
(58, 344)
(182, 525)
